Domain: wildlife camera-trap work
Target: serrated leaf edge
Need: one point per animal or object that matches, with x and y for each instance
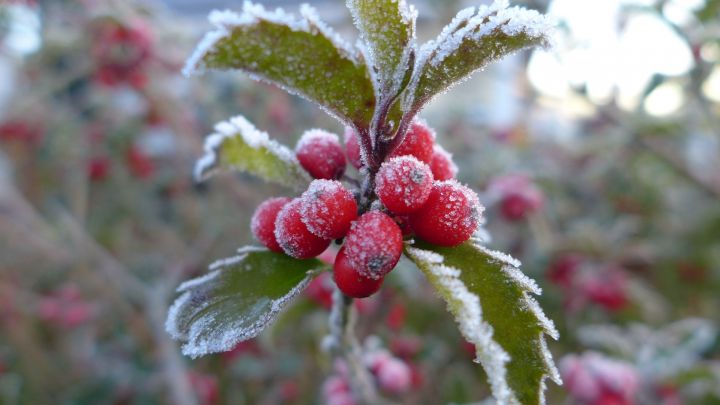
(194, 350)
(473, 328)
(484, 19)
(207, 165)
(225, 20)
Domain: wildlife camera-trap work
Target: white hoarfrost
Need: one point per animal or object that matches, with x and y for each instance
(198, 318)
(239, 127)
(225, 21)
(466, 307)
(473, 24)
(468, 314)
(390, 64)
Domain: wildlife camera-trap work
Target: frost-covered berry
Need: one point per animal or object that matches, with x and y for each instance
(441, 164)
(262, 224)
(403, 184)
(418, 142)
(374, 244)
(320, 153)
(293, 236)
(450, 215)
(328, 209)
(350, 281)
(352, 148)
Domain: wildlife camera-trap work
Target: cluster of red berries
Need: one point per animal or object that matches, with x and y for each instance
(414, 185)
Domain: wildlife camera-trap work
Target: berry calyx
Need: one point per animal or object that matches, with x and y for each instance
(352, 282)
(449, 217)
(352, 148)
(403, 184)
(320, 154)
(262, 223)
(441, 164)
(293, 236)
(418, 142)
(328, 209)
(373, 244)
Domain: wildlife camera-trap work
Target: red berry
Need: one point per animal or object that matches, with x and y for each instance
(352, 148)
(321, 154)
(262, 224)
(98, 168)
(403, 184)
(293, 236)
(374, 244)
(563, 270)
(450, 215)
(328, 209)
(352, 282)
(139, 163)
(514, 207)
(441, 164)
(418, 142)
(517, 194)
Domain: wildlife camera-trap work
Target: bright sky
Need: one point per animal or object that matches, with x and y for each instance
(612, 62)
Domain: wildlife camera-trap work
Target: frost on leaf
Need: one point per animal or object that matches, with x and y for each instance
(491, 301)
(238, 145)
(475, 37)
(301, 55)
(236, 300)
(387, 29)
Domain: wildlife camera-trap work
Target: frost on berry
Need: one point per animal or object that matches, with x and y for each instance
(262, 223)
(418, 142)
(374, 244)
(403, 184)
(350, 281)
(352, 148)
(328, 209)
(321, 154)
(442, 165)
(450, 216)
(293, 236)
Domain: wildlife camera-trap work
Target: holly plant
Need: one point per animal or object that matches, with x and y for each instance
(405, 202)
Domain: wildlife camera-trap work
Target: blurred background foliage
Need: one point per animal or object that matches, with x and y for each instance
(599, 163)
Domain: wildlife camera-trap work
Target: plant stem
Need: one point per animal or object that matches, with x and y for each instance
(345, 346)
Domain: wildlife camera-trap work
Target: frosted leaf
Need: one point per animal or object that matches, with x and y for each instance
(474, 38)
(490, 299)
(237, 145)
(299, 54)
(387, 30)
(239, 298)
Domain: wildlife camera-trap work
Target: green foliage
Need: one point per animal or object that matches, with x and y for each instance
(237, 300)
(508, 328)
(467, 45)
(238, 145)
(303, 58)
(388, 29)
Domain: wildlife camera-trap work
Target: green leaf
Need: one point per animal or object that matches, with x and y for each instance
(475, 37)
(387, 27)
(303, 56)
(235, 301)
(490, 299)
(238, 145)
